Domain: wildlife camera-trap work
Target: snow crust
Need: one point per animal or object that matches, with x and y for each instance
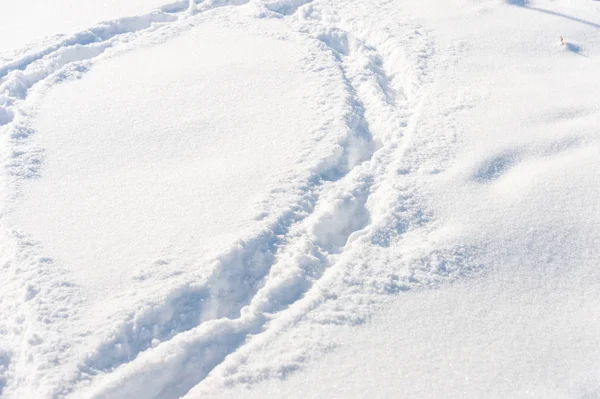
(292, 198)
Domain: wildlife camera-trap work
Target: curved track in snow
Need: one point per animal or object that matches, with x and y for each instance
(330, 255)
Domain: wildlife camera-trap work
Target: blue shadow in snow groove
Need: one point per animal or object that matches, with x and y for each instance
(492, 168)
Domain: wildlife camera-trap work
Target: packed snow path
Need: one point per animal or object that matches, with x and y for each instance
(199, 198)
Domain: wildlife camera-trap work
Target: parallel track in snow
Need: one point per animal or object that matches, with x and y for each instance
(363, 198)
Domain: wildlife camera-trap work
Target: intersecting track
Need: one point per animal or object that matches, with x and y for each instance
(361, 199)
(241, 303)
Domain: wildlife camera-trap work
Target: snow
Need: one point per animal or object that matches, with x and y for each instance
(292, 198)
(149, 181)
(22, 23)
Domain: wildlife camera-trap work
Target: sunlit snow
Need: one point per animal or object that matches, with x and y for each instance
(296, 198)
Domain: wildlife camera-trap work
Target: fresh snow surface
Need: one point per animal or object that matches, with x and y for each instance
(295, 198)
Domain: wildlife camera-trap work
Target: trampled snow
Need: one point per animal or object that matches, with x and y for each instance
(294, 198)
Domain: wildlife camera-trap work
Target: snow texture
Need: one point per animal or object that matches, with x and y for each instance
(292, 198)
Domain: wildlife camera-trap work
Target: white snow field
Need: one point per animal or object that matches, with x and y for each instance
(295, 198)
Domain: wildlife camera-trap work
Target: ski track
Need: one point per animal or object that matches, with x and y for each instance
(364, 194)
